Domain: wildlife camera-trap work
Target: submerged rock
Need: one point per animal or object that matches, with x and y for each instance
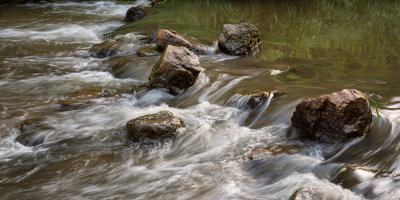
(122, 43)
(156, 126)
(33, 132)
(264, 152)
(176, 70)
(148, 51)
(239, 39)
(350, 176)
(166, 37)
(333, 118)
(134, 14)
(83, 97)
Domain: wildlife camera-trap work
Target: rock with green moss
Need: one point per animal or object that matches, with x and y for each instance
(176, 70)
(148, 51)
(158, 126)
(239, 39)
(333, 117)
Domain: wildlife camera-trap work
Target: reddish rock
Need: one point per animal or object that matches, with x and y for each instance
(166, 37)
(176, 70)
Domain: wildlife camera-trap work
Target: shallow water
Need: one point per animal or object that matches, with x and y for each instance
(83, 151)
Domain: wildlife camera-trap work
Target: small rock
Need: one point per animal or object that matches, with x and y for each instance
(134, 14)
(257, 99)
(148, 51)
(156, 126)
(239, 39)
(166, 37)
(176, 70)
(264, 152)
(333, 118)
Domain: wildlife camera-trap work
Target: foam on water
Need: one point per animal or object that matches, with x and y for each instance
(60, 33)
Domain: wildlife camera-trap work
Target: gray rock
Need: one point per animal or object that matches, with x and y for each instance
(333, 118)
(239, 39)
(176, 70)
(156, 126)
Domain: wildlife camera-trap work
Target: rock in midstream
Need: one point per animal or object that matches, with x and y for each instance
(333, 117)
(156, 126)
(176, 70)
(239, 39)
(134, 14)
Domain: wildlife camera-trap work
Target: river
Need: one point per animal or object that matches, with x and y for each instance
(83, 152)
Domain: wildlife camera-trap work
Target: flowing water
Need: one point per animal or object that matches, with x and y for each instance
(83, 151)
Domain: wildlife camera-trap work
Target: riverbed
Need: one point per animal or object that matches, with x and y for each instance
(83, 151)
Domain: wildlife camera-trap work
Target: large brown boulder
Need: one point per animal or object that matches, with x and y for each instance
(134, 14)
(335, 117)
(239, 39)
(176, 70)
(156, 126)
(166, 37)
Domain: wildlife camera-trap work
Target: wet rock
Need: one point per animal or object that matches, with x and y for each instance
(115, 63)
(333, 118)
(122, 43)
(176, 70)
(350, 176)
(264, 152)
(166, 37)
(148, 51)
(156, 126)
(257, 99)
(134, 14)
(239, 39)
